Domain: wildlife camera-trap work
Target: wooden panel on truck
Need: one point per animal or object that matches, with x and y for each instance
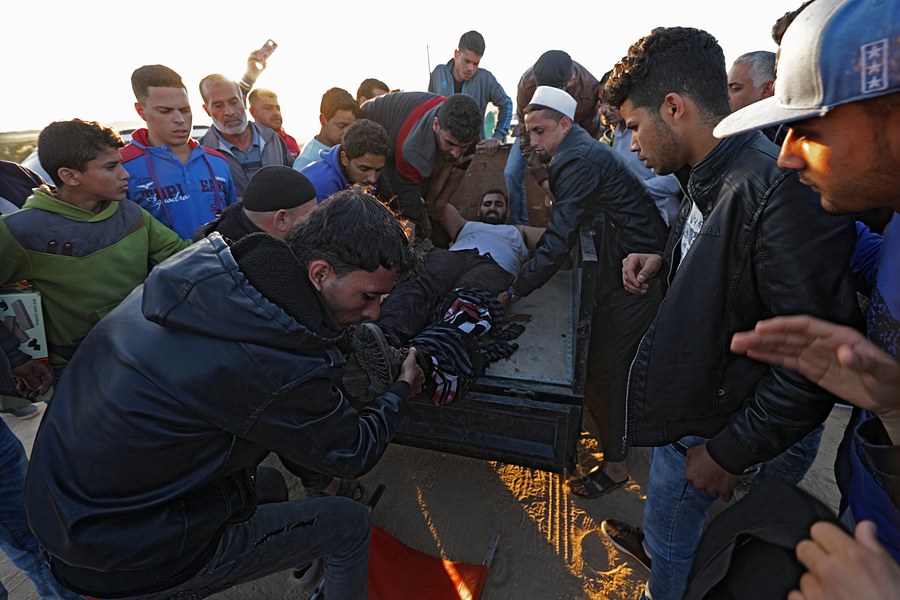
(486, 172)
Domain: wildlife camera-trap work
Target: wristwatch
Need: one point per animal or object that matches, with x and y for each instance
(512, 295)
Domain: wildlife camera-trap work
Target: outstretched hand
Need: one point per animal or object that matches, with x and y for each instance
(412, 373)
(838, 358)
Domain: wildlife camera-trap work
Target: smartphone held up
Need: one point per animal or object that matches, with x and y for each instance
(263, 54)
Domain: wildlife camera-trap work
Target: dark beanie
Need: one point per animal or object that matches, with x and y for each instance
(277, 187)
(553, 68)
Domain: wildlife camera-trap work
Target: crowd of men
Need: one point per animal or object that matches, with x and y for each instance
(204, 302)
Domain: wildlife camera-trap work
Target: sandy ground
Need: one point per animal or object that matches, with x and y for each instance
(550, 544)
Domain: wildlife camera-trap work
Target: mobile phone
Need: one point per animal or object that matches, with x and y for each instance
(265, 52)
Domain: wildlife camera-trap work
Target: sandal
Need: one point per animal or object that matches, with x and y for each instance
(595, 483)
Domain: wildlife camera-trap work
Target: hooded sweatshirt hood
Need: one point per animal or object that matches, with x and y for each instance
(276, 307)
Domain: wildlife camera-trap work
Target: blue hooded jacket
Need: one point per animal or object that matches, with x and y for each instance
(326, 174)
(182, 197)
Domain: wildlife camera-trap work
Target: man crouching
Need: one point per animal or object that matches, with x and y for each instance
(145, 477)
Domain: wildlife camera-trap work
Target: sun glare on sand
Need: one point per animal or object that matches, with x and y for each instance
(573, 533)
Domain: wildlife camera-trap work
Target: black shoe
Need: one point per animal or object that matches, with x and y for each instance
(378, 359)
(627, 539)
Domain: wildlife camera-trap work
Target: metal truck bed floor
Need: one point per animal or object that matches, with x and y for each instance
(545, 349)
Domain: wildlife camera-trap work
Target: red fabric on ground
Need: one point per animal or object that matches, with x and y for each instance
(397, 572)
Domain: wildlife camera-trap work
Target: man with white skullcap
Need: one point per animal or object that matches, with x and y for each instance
(592, 185)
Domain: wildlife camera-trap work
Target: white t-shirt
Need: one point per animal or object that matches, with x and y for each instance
(692, 228)
(503, 242)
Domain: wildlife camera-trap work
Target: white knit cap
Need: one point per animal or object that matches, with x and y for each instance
(556, 99)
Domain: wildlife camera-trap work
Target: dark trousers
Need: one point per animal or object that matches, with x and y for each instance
(410, 306)
(284, 535)
(620, 320)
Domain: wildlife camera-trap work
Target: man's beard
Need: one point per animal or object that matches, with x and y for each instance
(492, 217)
(233, 127)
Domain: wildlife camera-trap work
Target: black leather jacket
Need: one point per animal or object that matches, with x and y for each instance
(766, 248)
(589, 180)
(150, 446)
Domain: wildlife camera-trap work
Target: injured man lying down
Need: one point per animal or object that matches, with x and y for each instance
(449, 310)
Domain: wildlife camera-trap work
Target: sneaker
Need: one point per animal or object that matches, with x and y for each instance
(380, 361)
(29, 411)
(627, 539)
(308, 573)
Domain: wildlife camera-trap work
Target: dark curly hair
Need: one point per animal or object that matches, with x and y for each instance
(365, 137)
(73, 144)
(459, 114)
(683, 60)
(353, 230)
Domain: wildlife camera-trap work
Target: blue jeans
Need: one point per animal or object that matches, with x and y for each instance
(514, 174)
(286, 535)
(675, 510)
(16, 540)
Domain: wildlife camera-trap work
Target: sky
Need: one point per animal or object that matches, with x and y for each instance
(65, 59)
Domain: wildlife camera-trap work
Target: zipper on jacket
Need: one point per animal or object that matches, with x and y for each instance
(628, 382)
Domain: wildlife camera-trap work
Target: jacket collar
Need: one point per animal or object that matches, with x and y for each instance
(44, 199)
(233, 293)
(141, 139)
(706, 176)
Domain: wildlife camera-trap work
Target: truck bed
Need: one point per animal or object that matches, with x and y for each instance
(525, 410)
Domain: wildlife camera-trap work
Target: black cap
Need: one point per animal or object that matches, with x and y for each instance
(553, 68)
(277, 187)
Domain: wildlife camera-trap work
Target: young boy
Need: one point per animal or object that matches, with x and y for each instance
(85, 247)
(338, 112)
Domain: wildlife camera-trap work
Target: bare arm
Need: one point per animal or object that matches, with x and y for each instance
(451, 220)
(442, 185)
(531, 235)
